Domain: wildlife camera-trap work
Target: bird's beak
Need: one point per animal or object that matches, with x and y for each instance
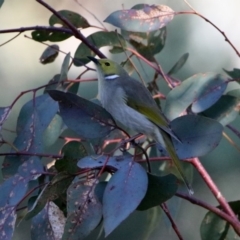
(93, 59)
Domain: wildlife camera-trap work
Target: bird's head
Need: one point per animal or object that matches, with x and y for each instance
(108, 69)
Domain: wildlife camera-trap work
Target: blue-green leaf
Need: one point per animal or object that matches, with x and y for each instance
(86, 118)
(225, 110)
(199, 135)
(84, 210)
(99, 161)
(148, 18)
(48, 224)
(33, 119)
(200, 91)
(124, 192)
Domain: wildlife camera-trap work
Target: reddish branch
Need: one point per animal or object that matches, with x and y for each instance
(212, 186)
(174, 226)
(234, 222)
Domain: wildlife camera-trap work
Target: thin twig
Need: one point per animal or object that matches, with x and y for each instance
(10, 40)
(174, 226)
(211, 23)
(226, 136)
(234, 130)
(30, 154)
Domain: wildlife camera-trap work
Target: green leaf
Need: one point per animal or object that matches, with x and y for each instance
(179, 64)
(77, 20)
(147, 44)
(84, 210)
(98, 39)
(159, 190)
(53, 131)
(33, 119)
(64, 68)
(1, 3)
(52, 36)
(48, 224)
(200, 91)
(199, 135)
(86, 118)
(98, 161)
(225, 110)
(141, 18)
(72, 151)
(49, 54)
(124, 192)
(50, 192)
(215, 228)
(235, 73)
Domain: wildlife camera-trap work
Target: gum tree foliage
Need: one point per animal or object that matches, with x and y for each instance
(94, 181)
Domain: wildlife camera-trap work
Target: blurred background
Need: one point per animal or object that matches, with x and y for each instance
(20, 70)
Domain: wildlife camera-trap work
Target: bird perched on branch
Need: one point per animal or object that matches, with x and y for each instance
(130, 103)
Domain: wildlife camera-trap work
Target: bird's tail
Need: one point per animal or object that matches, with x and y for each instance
(172, 153)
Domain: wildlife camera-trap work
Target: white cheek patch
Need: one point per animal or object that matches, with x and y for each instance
(111, 77)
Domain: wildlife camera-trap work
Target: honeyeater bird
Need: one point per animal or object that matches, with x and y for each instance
(130, 103)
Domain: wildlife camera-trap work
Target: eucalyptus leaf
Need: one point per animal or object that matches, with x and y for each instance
(123, 193)
(86, 118)
(148, 18)
(98, 39)
(225, 110)
(200, 92)
(199, 135)
(49, 54)
(160, 189)
(215, 228)
(84, 210)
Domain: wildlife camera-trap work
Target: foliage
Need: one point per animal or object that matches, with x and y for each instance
(73, 196)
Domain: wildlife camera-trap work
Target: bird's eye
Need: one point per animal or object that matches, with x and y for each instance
(107, 64)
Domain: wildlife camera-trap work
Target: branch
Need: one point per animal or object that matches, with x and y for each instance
(235, 223)
(30, 154)
(212, 186)
(74, 30)
(174, 226)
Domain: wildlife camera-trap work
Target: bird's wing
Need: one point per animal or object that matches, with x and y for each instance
(140, 99)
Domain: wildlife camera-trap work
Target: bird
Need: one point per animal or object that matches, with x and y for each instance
(131, 104)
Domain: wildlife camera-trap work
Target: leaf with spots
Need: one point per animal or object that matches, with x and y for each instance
(53, 190)
(145, 19)
(200, 92)
(13, 191)
(124, 192)
(84, 210)
(98, 161)
(86, 118)
(213, 227)
(33, 119)
(49, 54)
(48, 224)
(56, 36)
